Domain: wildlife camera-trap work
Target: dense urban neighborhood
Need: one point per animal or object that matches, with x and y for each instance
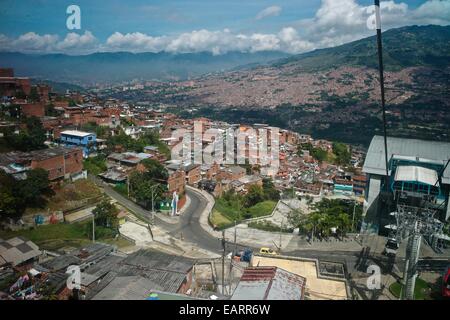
(97, 204)
(237, 158)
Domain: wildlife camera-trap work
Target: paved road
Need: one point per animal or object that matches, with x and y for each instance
(189, 227)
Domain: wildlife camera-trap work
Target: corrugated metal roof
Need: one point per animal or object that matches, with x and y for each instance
(168, 271)
(150, 259)
(414, 173)
(127, 288)
(269, 283)
(17, 250)
(438, 152)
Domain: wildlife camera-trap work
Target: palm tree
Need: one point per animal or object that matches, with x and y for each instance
(344, 223)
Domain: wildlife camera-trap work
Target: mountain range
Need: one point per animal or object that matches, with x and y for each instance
(334, 93)
(116, 67)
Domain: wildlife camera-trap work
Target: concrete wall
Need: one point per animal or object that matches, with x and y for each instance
(371, 206)
(447, 214)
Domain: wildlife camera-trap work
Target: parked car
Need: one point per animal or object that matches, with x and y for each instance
(267, 251)
(446, 283)
(391, 247)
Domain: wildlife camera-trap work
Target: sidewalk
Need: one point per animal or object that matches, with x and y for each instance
(137, 231)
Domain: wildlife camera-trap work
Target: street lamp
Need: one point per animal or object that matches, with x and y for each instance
(153, 191)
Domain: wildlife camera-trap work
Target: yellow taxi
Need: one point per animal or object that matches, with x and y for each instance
(267, 251)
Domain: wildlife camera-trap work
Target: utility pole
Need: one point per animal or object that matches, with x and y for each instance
(353, 218)
(281, 230)
(235, 236)
(223, 262)
(93, 227)
(383, 101)
(153, 205)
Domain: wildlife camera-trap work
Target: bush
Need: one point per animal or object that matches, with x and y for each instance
(95, 165)
(100, 232)
(268, 226)
(122, 189)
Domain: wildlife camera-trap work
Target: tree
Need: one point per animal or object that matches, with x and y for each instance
(32, 138)
(105, 214)
(319, 154)
(155, 170)
(13, 110)
(33, 189)
(36, 132)
(145, 190)
(34, 95)
(100, 131)
(344, 223)
(342, 153)
(95, 165)
(270, 193)
(295, 218)
(254, 195)
(8, 201)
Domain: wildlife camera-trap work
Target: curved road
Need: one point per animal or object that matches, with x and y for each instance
(190, 228)
(188, 225)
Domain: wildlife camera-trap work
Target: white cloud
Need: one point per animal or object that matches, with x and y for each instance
(268, 12)
(433, 12)
(73, 42)
(135, 42)
(34, 43)
(30, 42)
(335, 22)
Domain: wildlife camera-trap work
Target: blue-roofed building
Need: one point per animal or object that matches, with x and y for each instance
(85, 140)
(418, 170)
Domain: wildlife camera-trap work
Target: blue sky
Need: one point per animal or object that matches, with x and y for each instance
(196, 25)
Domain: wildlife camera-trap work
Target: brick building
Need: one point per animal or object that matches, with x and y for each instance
(231, 173)
(60, 163)
(193, 173)
(36, 109)
(176, 182)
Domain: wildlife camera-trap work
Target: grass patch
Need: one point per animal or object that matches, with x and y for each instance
(421, 291)
(226, 212)
(219, 220)
(262, 209)
(56, 236)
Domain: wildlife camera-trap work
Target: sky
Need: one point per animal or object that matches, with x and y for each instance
(180, 26)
